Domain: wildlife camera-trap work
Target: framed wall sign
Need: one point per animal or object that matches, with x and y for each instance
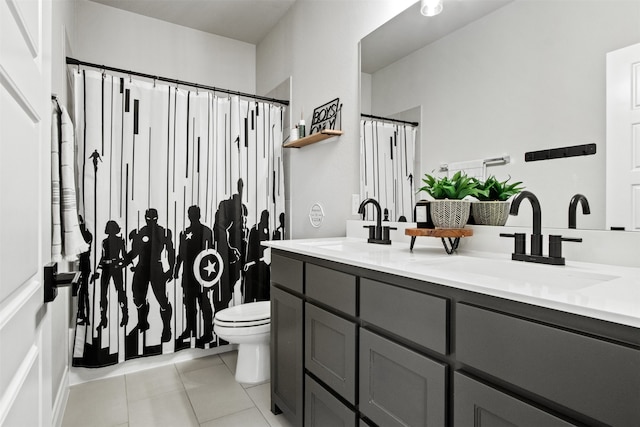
(324, 116)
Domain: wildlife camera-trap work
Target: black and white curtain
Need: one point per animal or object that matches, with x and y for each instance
(177, 188)
(387, 152)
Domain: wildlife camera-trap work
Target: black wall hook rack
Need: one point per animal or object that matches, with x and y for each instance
(557, 153)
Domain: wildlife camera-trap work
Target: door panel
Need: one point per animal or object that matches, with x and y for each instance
(25, 109)
(623, 138)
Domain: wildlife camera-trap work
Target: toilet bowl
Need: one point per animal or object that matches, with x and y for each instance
(249, 326)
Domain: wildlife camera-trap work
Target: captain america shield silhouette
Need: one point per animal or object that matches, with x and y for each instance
(208, 268)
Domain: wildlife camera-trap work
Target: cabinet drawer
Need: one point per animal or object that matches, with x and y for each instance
(593, 377)
(334, 288)
(322, 409)
(478, 405)
(287, 272)
(399, 387)
(330, 350)
(412, 315)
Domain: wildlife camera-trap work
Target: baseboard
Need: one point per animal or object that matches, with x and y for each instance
(61, 399)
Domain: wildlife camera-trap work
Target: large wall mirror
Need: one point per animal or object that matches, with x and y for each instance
(493, 78)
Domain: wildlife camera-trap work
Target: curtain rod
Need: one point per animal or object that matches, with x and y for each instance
(390, 120)
(72, 61)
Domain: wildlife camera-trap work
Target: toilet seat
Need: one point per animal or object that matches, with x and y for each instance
(241, 324)
(232, 333)
(244, 315)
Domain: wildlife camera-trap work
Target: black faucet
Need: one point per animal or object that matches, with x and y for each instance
(377, 233)
(536, 237)
(555, 241)
(573, 207)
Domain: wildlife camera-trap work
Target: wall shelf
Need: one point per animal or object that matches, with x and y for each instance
(312, 139)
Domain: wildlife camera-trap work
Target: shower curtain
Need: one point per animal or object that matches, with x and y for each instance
(387, 152)
(177, 188)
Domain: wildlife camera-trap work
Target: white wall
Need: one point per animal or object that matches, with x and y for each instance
(316, 44)
(527, 77)
(130, 41)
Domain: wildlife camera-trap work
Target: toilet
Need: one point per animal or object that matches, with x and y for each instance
(249, 326)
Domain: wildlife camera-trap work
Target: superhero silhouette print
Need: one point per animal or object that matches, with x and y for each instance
(228, 236)
(257, 273)
(85, 270)
(195, 241)
(111, 263)
(148, 244)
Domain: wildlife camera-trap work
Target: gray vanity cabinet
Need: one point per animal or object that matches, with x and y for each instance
(398, 386)
(286, 355)
(322, 409)
(354, 346)
(478, 405)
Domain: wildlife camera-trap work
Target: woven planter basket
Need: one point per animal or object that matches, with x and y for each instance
(491, 213)
(450, 213)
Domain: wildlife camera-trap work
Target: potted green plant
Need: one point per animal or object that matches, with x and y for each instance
(449, 210)
(492, 207)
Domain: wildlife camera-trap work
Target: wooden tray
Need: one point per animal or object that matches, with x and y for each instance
(439, 232)
(442, 233)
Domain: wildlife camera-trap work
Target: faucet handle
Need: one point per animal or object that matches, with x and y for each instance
(519, 242)
(385, 231)
(372, 231)
(555, 244)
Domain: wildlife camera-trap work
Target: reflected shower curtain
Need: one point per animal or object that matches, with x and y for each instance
(387, 152)
(177, 189)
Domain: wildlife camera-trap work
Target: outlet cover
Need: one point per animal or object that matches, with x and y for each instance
(355, 204)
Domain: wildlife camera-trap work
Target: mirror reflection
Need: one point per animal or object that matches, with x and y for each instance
(500, 78)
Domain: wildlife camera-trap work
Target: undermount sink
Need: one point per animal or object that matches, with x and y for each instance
(515, 273)
(336, 245)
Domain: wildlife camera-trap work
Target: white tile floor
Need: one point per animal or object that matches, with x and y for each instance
(200, 392)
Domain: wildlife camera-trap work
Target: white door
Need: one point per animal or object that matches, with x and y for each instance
(623, 138)
(25, 181)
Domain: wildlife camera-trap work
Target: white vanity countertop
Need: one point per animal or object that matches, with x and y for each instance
(600, 291)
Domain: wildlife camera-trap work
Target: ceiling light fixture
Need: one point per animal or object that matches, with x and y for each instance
(430, 7)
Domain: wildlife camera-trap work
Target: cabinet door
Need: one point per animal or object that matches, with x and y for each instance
(330, 350)
(478, 405)
(286, 355)
(399, 387)
(322, 409)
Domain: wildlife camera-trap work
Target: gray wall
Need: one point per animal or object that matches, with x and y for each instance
(316, 44)
(134, 42)
(527, 77)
